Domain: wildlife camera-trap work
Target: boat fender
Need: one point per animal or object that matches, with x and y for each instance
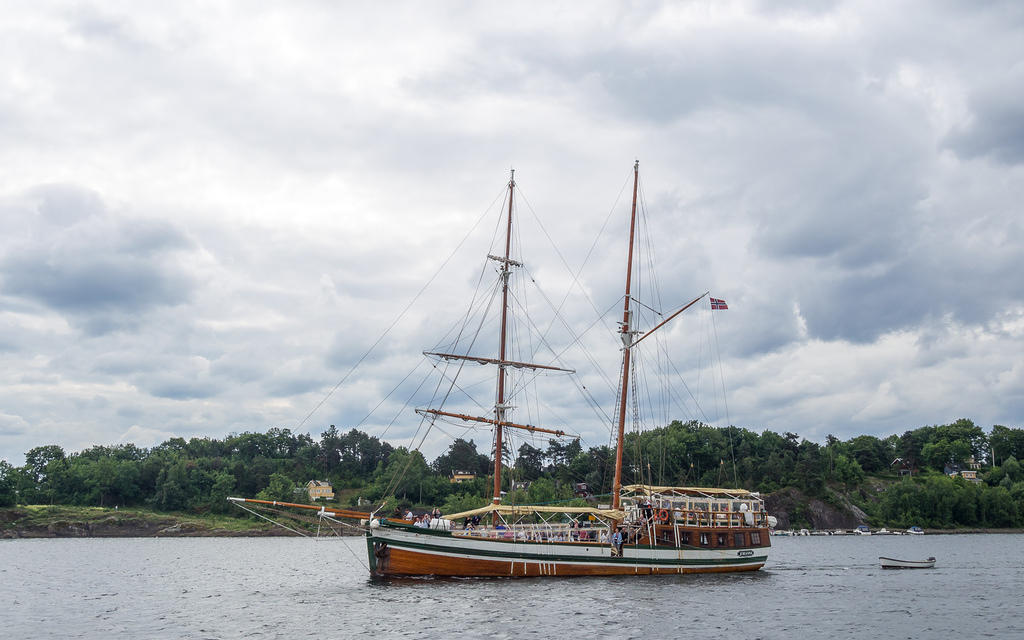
(375, 523)
(663, 515)
(772, 521)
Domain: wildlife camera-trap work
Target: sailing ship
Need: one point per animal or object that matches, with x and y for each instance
(647, 529)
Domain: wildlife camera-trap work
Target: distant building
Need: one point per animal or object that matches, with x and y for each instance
(320, 490)
(581, 490)
(954, 470)
(458, 477)
(902, 467)
(520, 485)
(974, 464)
(969, 475)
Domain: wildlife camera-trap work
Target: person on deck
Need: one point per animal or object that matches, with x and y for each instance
(617, 542)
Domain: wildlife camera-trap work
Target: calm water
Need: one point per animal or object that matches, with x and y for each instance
(295, 588)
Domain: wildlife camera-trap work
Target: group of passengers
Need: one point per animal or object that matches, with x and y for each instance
(423, 521)
(577, 532)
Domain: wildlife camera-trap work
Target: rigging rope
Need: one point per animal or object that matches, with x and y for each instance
(586, 259)
(393, 485)
(399, 318)
(725, 401)
(259, 515)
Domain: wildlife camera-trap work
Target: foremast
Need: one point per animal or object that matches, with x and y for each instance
(500, 405)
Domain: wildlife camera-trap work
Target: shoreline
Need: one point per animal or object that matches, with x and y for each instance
(970, 530)
(58, 521)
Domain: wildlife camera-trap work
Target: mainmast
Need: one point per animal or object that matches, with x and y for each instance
(500, 407)
(627, 342)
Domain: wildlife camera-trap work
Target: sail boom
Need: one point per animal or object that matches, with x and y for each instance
(322, 510)
(499, 423)
(668, 319)
(504, 363)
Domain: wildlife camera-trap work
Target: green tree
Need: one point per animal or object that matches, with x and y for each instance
(1012, 469)
(870, 453)
(280, 488)
(223, 485)
(937, 454)
(459, 502)
(8, 487)
(461, 456)
(1005, 443)
(847, 471)
(529, 463)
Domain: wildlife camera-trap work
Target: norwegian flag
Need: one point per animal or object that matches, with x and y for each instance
(718, 305)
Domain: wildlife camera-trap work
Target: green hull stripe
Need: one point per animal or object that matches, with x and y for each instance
(513, 556)
(448, 534)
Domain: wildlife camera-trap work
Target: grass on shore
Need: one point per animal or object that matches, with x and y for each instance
(46, 515)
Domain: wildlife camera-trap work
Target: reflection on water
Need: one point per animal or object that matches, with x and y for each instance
(295, 588)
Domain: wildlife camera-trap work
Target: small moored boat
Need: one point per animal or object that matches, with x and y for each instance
(893, 563)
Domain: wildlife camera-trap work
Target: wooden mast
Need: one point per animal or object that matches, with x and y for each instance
(500, 406)
(627, 341)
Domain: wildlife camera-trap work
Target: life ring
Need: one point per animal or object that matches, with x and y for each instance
(663, 515)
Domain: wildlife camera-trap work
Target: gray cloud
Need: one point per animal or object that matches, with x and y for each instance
(76, 258)
(996, 125)
(207, 220)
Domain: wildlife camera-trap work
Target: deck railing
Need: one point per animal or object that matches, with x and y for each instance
(565, 532)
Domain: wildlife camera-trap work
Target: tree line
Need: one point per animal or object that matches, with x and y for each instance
(197, 474)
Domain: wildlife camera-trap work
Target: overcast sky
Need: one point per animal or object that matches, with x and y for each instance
(209, 211)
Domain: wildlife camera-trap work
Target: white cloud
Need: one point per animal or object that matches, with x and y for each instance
(143, 437)
(209, 214)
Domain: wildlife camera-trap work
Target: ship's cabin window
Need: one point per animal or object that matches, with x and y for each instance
(739, 540)
(700, 506)
(721, 540)
(684, 537)
(755, 538)
(736, 506)
(705, 539)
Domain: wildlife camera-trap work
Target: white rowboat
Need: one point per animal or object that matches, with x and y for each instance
(893, 563)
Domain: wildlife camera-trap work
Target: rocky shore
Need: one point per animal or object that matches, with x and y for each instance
(823, 516)
(64, 522)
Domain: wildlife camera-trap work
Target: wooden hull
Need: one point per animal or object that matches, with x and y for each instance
(405, 551)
